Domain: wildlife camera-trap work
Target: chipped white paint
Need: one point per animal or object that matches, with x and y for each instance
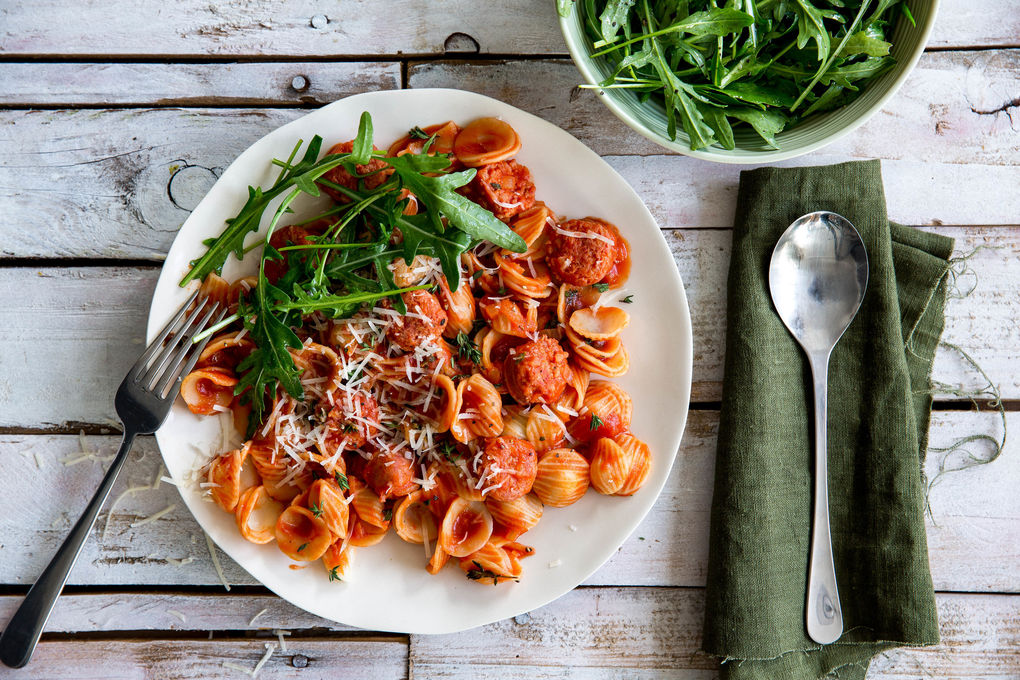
(358, 27)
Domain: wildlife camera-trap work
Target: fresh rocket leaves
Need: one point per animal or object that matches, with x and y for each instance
(721, 67)
(338, 268)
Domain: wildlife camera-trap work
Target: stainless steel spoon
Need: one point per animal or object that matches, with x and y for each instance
(817, 278)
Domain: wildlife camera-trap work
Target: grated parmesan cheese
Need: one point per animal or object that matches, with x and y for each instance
(216, 561)
(154, 516)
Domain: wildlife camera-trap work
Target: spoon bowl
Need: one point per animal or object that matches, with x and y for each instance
(817, 278)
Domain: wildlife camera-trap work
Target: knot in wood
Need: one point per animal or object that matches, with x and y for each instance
(461, 42)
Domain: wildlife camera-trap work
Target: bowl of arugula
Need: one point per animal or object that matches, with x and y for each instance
(751, 81)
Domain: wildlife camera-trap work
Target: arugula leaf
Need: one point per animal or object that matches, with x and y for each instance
(715, 118)
(766, 123)
(563, 7)
(613, 17)
(865, 42)
(811, 27)
(438, 194)
(361, 151)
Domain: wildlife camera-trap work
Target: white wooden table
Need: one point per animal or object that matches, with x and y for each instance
(117, 116)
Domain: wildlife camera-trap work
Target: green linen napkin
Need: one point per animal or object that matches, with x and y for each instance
(879, 406)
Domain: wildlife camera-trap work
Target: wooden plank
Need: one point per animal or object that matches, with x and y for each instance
(186, 659)
(656, 633)
(975, 513)
(931, 119)
(134, 84)
(589, 633)
(307, 28)
(298, 28)
(102, 314)
(108, 612)
(119, 183)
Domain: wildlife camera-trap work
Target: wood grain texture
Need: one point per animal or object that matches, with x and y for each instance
(102, 313)
(358, 27)
(596, 633)
(956, 107)
(189, 659)
(656, 633)
(119, 183)
(115, 612)
(135, 84)
(975, 512)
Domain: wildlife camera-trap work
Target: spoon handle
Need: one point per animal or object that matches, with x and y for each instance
(823, 613)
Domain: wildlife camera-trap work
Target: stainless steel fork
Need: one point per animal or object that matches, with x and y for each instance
(143, 402)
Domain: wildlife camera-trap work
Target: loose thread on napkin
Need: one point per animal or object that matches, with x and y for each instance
(959, 455)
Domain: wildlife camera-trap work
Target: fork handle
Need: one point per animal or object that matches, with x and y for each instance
(24, 629)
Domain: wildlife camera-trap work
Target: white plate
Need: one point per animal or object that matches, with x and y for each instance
(388, 588)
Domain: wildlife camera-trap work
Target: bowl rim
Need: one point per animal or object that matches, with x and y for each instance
(578, 54)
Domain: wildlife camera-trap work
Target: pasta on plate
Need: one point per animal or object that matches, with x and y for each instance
(454, 401)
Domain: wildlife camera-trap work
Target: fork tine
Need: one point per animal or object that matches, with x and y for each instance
(157, 343)
(151, 373)
(193, 359)
(170, 375)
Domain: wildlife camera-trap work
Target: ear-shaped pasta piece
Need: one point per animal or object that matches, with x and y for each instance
(413, 521)
(610, 466)
(563, 476)
(459, 306)
(517, 516)
(466, 527)
(274, 470)
(233, 474)
(606, 411)
(530, 226)
(490, 563)
(600, 325)
(443, 406)
(494, 346)
(639, 468)
(510, 316)
(486, 140)
(545, 430)
(612, 367)
(337, 559)
(363, 534)
(437, 561)
(225, 351)
(208, 390)
(215, 289)
(525, 276)
(515, 422)
(480, 413)
(593, 350)
(578, 380)
(445, 134)
(367, 504)
(326, 501)
(256, 515)
(405, 276)
(301, 535)
(317, 361)
(572, 298)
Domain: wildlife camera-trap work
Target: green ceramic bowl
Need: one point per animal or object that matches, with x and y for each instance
(649, 118)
